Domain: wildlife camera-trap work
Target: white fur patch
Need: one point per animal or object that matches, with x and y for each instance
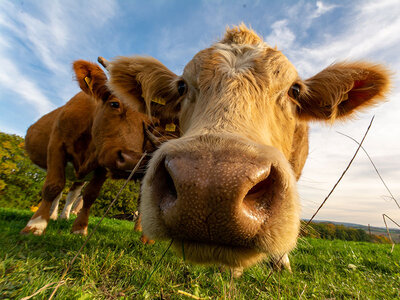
(54, 207)
(38, 225)
(71, 198)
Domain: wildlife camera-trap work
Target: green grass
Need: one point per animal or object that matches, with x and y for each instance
(114, 265)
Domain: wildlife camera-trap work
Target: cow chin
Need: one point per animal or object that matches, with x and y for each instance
(264, 222)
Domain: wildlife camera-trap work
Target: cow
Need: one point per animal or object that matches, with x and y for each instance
(225, 191)
(90, 137)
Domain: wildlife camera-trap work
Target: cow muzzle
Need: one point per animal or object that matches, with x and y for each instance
(230, 198)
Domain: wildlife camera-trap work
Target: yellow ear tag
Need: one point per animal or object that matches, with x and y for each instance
(170, 127)
(159, 101)
(345, 97)
(88, 82)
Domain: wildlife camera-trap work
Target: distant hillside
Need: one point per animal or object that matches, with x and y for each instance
(359, 226)
(350, 231)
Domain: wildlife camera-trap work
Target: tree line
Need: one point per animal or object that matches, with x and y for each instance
(330, 231)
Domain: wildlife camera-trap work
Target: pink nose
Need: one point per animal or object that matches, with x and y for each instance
(216, 199)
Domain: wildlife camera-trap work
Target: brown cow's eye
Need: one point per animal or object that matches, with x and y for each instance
(182, 87)
(294, 91)
(114, 104)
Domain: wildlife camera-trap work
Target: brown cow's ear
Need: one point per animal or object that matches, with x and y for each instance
(135, 79)
(342, 89)
(91, 78)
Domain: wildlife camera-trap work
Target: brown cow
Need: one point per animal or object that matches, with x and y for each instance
(95, 133)
(225, 191)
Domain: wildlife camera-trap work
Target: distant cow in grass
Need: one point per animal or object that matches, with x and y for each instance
(91, 136)
(225, 191)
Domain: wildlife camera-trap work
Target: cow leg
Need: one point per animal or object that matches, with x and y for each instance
(236, 272)
(280, 263)
(77, 206)
(138, 227)
(54, 207)
(138, 224)
(52, 188)
(72, 196)
(90, 194)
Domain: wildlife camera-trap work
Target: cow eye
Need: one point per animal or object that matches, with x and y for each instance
(182, 87)
(114, 104)
(294, 91)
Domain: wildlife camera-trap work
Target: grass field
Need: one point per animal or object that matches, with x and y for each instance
(114, 265)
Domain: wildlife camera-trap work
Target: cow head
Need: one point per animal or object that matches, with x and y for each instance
(117, 130)
(226, 190)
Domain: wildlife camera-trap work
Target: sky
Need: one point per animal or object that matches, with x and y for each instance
(40, 39)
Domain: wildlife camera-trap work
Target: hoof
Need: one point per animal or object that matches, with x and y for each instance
(236, 272)
(281, 263)
(81, 230)
(36, 226)
(54, 218)
(64, 217)
(33, 230)
(146, 241)
(138, 227)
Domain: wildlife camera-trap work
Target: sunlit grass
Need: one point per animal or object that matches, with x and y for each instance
(114, 265)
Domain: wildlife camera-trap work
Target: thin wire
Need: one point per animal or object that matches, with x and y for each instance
(97, 225)
(387, 228)
(376, 169)
(156, 267)
(344, 172)
(330, 193)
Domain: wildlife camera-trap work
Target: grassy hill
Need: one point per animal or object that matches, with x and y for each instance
(114, 265)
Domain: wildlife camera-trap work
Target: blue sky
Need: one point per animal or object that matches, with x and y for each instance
(39, 40)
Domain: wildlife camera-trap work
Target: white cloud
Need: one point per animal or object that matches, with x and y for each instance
(13, 80)
(49, 38)
(370, 32)
(322, 8)
(281, 35)
(301, 15)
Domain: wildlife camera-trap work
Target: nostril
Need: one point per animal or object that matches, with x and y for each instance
(260, 187)
(121, 159)
(166, 188)
(170, 184)
(260, 196)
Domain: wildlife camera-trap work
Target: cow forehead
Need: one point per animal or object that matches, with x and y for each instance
(241, 52)
(258, 63)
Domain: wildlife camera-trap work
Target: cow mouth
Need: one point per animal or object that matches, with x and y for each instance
(208, 254)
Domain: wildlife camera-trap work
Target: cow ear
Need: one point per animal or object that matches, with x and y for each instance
(145, 79)
(342, 89)
(91, 78)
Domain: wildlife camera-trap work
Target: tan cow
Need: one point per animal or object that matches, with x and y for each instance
(225, 191)
(96, 134)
